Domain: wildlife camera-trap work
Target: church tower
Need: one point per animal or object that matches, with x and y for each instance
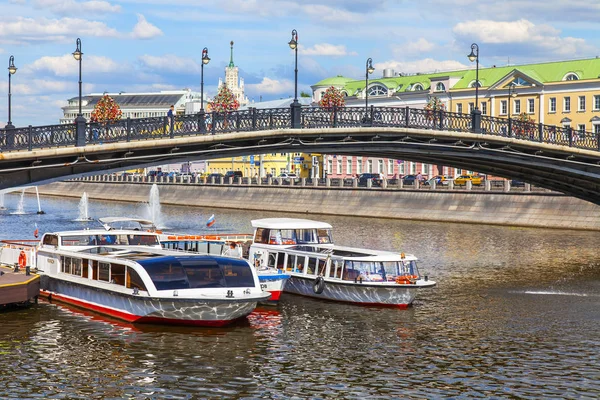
(233, 81)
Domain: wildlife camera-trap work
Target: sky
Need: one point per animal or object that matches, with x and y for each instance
(153, 45)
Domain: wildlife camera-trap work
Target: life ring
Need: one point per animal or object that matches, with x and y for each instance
(403, 280)
(22, 259)
(319, 285)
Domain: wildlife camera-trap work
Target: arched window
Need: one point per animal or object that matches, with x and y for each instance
(440, 87)
(571, 76)
(417, 87)
(474, 84)
(344, 93)
(520, 82)
(378, 90)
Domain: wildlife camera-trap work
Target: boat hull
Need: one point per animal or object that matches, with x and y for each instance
(142, 309)
(364, 294)
(274, 284)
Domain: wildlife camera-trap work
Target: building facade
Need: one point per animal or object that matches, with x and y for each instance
(233, 81)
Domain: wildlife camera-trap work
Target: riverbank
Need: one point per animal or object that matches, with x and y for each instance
(543, 210)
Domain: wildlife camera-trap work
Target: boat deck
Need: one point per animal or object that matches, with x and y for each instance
(16, 287)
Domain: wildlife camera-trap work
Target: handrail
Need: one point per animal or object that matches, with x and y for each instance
(213, 123)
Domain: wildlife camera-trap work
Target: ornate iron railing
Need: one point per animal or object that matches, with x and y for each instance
(213, 123)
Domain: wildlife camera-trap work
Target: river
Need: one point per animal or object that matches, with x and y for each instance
(516, 314)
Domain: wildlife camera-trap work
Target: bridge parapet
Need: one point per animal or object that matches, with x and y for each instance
(213, 123)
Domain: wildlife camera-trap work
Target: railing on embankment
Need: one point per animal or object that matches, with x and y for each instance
(82, 134)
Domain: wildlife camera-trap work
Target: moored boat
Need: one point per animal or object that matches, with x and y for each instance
(318, 268)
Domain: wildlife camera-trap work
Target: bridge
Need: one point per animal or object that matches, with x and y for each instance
(556, 158)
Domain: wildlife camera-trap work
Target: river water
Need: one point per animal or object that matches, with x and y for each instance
(516, 314)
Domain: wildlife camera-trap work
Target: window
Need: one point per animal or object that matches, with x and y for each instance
(401, 168)
(571, 77)
(377, 90)
(471, 107)
(567, 104)
(339, 166)
(552, 105)
(517, 107)
(330, 166)
(530, 106)
(596, 128)
(348, 166)
(484, 108)
(134, 280)
(474, 84)
(390, 167)
(370, 166)
(596, 103)
(413, 168)
(581, 128)
(425, 169)
(459, 108)
(440, 87)
(417, 87)
(503, 107)
(359, 166)
(581, 103)
(104, 272)
(380, 166)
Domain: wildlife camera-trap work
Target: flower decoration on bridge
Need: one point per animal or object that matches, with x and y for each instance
(106, 110)
(224, 101)
(435, 104)
(332, 97)
(524, 126)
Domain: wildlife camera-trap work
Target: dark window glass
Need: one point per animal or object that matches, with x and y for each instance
(117, 274)
(262, 236)
(104, 272)
(134, 280)
(51, 240)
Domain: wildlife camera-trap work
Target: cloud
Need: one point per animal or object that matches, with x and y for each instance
(520, 36)
(270, 86)
(144, 29)
(22, 30)
(169, 63)
(413, 47)
(72, 7)
(426, 65)
(66, 65)
(326, 49)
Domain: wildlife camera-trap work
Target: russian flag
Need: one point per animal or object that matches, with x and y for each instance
(211, 221)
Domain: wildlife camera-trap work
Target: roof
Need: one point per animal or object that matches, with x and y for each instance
(289, 223)
(136, 100)
(280, 103)
(336, 80)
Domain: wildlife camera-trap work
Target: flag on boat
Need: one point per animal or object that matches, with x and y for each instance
(211, 221)
(36, 232)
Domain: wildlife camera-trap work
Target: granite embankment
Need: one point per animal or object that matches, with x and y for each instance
(548, 210)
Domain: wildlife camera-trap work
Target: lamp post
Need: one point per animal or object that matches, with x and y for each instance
(80, 120)
(296, 107)
(476, 114)
(512, 93)
(11, 70)
(205, 60)
(368, 70)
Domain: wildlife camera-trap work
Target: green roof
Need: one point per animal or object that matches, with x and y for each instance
(542, 72)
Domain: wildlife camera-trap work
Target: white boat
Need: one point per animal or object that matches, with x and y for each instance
(140, 283)
(271, 280)
(318, 268)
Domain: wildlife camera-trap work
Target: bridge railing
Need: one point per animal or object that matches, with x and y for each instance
(213, 123)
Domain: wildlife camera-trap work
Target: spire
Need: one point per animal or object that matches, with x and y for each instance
(231, 65)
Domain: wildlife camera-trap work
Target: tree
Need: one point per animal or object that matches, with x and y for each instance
(332, 98)
(224, 101)
(106, 110)
(304, 94)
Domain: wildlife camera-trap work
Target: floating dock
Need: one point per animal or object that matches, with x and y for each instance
(18, 288)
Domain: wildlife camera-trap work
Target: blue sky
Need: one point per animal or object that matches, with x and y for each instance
(151, 45)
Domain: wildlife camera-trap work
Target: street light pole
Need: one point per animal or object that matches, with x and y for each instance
(511, 94)
(368, 70)
(296, 107)
(205, 60)
(80, 120)
(476, 114)
(11, 70)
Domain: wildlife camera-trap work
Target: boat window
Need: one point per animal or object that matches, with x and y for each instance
(304, 236)
(172, 276)
(280, 260)
(51, 240)
(321, 269)
(350, 273)
(84, 268)
(335, 269)
(272, 260)
(237, 274)
(65, 265)
(300, 262)
(104, 272)
(94, 264)
(76, 266)
(275, 237)
(289, 265)
(78, 240)
(134, 280)
(388, 270)
(312, 266)
(117, 274)
(288, 236)
(324, 236)
(261, 236)
(143, 240)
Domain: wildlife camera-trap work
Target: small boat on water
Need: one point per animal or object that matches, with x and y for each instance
(304, 249)
(127, 275)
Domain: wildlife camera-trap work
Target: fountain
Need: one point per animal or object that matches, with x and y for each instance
(37, 193)
(83, 209)
(153, 207)
(2, 207)
(21, 205)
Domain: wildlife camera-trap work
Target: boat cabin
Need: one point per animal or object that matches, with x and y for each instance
(291, 232)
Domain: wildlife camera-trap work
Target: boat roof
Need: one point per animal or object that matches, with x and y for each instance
(99, 231)
(289, 223)
(112, 220)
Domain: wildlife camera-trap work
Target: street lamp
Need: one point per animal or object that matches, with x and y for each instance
(296, 107)
(80, 120)
(476, 114)
(11, 70)
(512, 93)
(368, 70)
(205, 60)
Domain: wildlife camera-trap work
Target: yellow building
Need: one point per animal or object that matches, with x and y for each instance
(302, 164)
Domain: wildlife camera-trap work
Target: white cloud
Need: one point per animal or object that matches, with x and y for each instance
(271, 86)
(20, 29)
(144, 29)
(413, 47)
(66, 65)
(170, 63)
(326, 49)
(72, 7)
(426, 65)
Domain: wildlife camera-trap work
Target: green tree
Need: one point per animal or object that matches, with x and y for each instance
(224, 101)
(304, 94)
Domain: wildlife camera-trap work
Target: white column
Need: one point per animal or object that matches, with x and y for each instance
(542, 106)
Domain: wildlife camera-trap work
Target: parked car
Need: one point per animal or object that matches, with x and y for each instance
(286, 178)
(441, 180)
(377, 179)
(217, 177)
(234, 174)
(462, 180)
(410, 180)
(517, 183)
